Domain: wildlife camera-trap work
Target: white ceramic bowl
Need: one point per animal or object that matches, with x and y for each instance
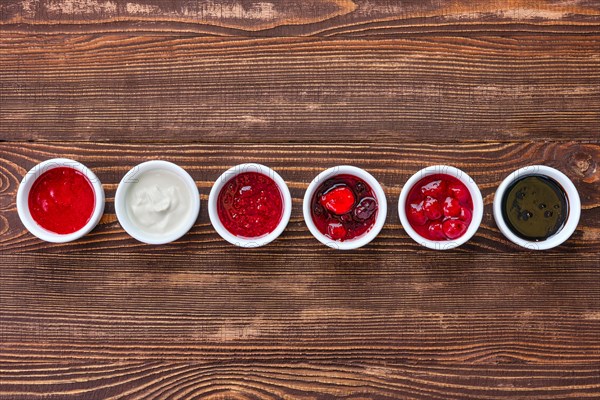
(379, 195)
(130, 178)
(23, 200)
(475, 196)
(573, 201)
(214, 195)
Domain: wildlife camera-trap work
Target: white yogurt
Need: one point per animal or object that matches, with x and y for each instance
(158, 202)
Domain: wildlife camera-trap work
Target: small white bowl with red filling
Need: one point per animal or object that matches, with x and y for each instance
(344, 207)
(440, 207)
(249, 205)
(60, 200)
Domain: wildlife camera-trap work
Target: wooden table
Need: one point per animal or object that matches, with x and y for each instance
(300, 86)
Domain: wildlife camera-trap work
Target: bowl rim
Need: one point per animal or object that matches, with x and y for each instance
(218, 186)
(356, 242)
(476, 197)
(23, 200)
(573, 200)
(130, 178)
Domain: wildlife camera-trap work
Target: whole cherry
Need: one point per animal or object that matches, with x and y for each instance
(416, 214)
(451, 207)
(338, 200)
(454, 228)
(432, 207)
(434, 189)
(336, 230)
(465, 215)
(459, 192)
(365, 208)
(436, 231)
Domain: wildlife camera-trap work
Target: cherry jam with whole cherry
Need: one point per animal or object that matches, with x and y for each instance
(250, 205)
(344, 207)
(439, 207)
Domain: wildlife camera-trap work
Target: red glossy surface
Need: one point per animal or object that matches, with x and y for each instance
(250, 205)
(344, 207)
(439, 207)
(339, 200)
(61, 200)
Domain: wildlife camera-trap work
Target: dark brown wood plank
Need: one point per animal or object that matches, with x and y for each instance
(287, 379)
(488, 163)
(488, 309)
(193, 320)
(292, 17)
(300, 86)
(262, 380)
(435, 89)
(107, 317)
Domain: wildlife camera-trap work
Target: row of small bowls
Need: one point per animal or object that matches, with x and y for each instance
(557, 239)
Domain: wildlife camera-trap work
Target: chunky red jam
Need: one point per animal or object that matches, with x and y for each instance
(439, 207)
(61, 200)
(250, 205)
(344, 207)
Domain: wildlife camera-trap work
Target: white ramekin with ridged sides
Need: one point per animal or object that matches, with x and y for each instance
(573, 203)
(380, 198)
(477, 213)
(23, 200)
(146, 233)
(220, 184)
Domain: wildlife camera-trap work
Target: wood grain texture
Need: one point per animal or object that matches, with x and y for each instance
(487, 163)
(269, 18)
(268, 325)
(390, 86)
(287, 89)
(260, 380)
(106, 317)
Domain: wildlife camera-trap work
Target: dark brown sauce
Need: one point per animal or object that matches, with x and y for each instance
(535, 207)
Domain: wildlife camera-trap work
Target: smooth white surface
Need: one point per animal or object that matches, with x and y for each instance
(574, 205)
(216, 189)
(379, 196)
(151, 235)
(23, 200)
(475, 196)
(158, 202)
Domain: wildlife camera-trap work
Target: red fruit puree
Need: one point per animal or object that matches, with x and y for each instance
(250, 205)
(61, 200)
(344, 207)
(439, 207)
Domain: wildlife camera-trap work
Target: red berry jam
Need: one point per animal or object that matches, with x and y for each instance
(61, 200)
(344, 207)
(250, 205)
(439, 207)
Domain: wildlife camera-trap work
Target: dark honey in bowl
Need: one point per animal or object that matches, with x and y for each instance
(535, 207)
